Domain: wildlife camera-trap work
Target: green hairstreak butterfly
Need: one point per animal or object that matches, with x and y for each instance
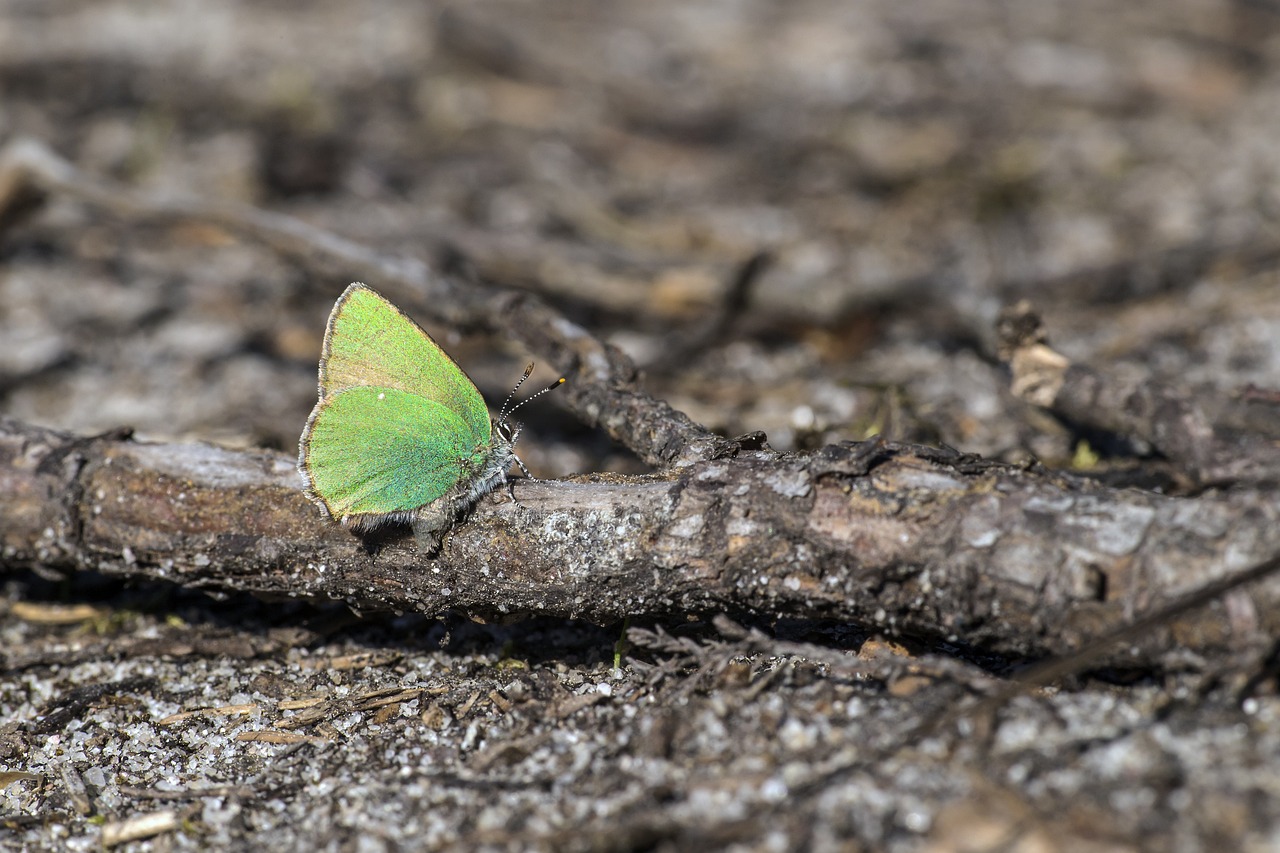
(400, 434)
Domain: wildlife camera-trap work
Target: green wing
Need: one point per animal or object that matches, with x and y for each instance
(370, 342)
(384, 451)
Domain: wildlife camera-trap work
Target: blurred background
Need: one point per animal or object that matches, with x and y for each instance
(844, 193)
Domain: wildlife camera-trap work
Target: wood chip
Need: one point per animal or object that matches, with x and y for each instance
(326, 730)
(436, 717)
(501, 702)
(385, 713)
(307, 716)
(465, 708)
(221, 711)
(186, 793)
(139, 826)
(361, 660)
(877, 647)
(8, 777)
(273, 736)
(76, 789)
(908, 685)
(378, 698)
(55, 614)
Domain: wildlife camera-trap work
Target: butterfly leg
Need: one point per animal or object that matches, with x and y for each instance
(523, 469)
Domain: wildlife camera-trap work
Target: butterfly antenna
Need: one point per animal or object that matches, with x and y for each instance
(503, 412)
(553, 386)
(506, 412)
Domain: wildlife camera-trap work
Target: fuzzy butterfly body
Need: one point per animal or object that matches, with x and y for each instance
(400, 433)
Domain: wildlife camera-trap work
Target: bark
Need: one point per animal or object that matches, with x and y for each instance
(902, 538)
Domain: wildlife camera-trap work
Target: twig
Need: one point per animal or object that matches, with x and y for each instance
(1167, 417)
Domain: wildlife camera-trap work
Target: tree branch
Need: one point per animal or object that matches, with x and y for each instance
(910, 539)
(1177, 424)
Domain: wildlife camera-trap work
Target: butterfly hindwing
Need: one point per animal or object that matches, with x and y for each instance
(370, 342)
(381, 451)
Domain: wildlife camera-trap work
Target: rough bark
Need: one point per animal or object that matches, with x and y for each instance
(897, 537)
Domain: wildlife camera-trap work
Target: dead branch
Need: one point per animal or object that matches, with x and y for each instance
(1208, 450)
(905, 538)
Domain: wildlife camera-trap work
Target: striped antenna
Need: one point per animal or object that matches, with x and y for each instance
(553, 386)
(511, 434)
(503, 412)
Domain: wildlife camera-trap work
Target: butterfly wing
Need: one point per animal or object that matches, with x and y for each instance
(372, 454)
(370, 342)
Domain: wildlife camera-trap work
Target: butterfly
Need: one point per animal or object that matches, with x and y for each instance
(400, 434)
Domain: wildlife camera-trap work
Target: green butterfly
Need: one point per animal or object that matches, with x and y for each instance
(400, 433)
